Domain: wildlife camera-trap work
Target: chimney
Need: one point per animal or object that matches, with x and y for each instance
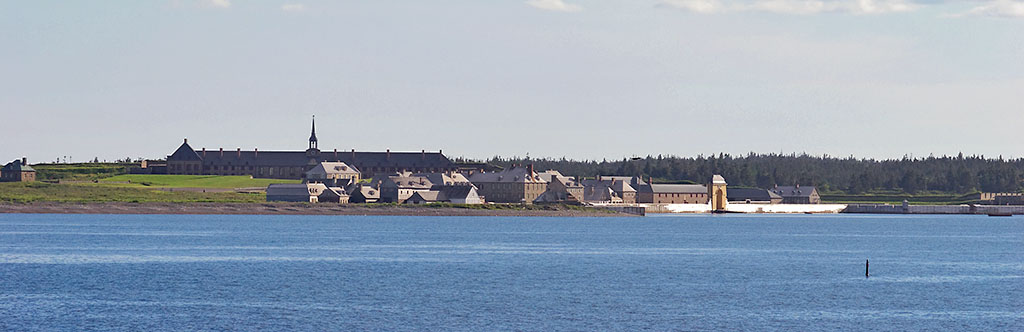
(204, 152)
(222, 152)
(239, 152)
(335, 154)
(423, 154)
(388, 154)
(353, 154)
(256, 152)
(24, 161)
(529, 170)
(186, 141)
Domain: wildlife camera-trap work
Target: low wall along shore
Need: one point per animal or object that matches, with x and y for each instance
(732, 208)
(831, 208)
(934, 209)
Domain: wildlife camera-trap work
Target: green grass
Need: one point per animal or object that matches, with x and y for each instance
(79, 172)
(24, 192)
(189, 181)
(920, 199)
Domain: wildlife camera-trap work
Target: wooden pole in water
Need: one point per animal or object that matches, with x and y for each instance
(867, 268)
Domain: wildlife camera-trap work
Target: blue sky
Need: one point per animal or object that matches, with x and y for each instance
(548, 78)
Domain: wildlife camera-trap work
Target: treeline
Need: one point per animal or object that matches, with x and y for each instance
(947, 174)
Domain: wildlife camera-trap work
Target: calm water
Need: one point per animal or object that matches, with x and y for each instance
(806, 272)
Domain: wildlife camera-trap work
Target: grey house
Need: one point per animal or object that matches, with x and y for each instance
(797, 194)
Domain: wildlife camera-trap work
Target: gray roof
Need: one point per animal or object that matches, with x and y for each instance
(363, 161)
(16, 166)
(293, 189)
(518, 175)
(444, 178)
(616, 185)
(456, 191)
(675, 188)
(548, 174)
(368, 192)
(632, 180)
(551, 176)
(794, 191)
(444, 193)
(428, 196)
(333, 167)
(621, 186)
(405, 182)
(753, 194)
(184, 153)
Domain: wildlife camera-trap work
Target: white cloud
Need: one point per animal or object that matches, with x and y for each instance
(997, 8)
(794, 7)
(293, 7)
(217, 3)
(554, 5)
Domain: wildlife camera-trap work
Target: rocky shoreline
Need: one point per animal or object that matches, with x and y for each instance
(291, 209)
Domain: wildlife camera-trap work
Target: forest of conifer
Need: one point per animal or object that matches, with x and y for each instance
(941, 175)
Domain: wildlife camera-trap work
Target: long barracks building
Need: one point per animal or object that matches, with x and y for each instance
(294, 164)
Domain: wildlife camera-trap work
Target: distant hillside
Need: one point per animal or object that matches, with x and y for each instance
(954, 175)
(80, 171)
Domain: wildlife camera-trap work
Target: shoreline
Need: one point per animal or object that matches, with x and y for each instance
(287, 209)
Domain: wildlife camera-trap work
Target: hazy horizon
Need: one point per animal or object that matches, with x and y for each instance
(585, 80)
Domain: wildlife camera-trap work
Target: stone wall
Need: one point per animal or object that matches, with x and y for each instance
(933, 209)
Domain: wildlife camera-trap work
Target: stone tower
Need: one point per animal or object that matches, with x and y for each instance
(716, 191)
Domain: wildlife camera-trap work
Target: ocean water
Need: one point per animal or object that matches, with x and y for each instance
(661, 273)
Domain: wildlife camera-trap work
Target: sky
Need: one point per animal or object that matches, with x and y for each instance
(541, 78)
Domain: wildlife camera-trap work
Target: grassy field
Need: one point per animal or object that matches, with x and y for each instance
(79, 172)
(188, 181)
(24, 192)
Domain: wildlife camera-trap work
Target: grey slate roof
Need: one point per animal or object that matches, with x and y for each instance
(632, 180)
(675, 189)
(621, 186)
(445, 178)
(794, 191)
(753, 194)
(427, 196)
(515, 175)
(453, 192)
(368, 192)
(405, 182)
(360, 160)
(444, 193)
(16, 166)
(184, 153)
(293, 189)
(333, 167)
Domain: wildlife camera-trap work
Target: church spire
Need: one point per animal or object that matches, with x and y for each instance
(312, 135)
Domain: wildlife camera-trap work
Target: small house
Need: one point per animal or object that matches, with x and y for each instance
(333, 173)
(17, 171)
(797, 194)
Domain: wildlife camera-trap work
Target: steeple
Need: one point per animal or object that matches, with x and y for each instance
(312, 135)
